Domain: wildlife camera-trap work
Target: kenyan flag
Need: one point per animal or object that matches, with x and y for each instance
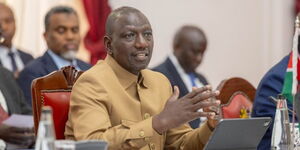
(290, 80)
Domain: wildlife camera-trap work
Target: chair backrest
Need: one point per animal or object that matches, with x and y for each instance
(54, 90)
(237, 96)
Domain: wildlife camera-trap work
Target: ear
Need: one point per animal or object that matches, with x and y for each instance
(107, 44)
(176, 51)
(45, 36)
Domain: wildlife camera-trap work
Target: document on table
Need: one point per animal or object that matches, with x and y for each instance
(17, 120)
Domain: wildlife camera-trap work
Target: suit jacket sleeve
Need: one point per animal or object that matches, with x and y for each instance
(25, 108)
(15, 95)
(270, 85)
(24, 80)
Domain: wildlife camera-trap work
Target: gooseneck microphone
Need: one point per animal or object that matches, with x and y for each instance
(1, 35)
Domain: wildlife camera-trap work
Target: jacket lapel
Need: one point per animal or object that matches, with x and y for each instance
(176, 78)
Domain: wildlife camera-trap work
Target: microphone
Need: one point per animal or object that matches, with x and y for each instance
(1, 35)
(274, 101)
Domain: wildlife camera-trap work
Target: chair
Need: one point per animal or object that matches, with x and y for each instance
(54, 90)
(237, 96)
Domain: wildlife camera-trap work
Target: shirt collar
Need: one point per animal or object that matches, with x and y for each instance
(176, 64)
(5, 50)
(125, 77)
(61, 62)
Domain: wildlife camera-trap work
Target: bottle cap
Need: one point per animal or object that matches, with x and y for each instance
(46, 109)
(280, 96)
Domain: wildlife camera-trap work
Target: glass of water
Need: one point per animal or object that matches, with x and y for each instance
(295, 135)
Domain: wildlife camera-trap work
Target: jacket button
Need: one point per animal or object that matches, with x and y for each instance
(147, 115)
(142, 133)
(152, 146)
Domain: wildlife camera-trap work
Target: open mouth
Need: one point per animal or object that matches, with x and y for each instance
(141, 56)
(71, 46)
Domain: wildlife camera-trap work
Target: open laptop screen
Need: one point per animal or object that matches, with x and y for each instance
(242, 134)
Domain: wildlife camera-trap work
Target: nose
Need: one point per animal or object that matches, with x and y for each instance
(70, 35)
(1, 30)
(199, 58)
(2, 26)
(1, 36)
(141, 42)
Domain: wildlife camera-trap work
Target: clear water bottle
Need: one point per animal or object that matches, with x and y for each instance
(46, 135)
(281, 134)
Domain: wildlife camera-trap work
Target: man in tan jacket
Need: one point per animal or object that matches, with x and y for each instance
(120, 101)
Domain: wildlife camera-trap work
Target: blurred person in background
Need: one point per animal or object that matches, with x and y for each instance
(189, 46)
(63, 38)
(12, 101)
(11, 58)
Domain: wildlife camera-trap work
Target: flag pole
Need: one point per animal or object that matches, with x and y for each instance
(294, 62)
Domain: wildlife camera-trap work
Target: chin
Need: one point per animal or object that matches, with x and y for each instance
(140, 68)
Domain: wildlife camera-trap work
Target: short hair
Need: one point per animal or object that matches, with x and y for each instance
(57, 10)
(115, 14)
(179, 34)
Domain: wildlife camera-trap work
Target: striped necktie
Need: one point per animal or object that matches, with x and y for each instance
(192, 79)
(13, 61)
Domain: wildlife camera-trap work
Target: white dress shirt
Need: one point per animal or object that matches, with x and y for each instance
(184, 76)
(3, 102)
(61, 62)
(6, 60)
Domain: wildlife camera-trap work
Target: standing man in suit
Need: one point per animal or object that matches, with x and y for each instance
(189, 46)
(63, 39)
(11, 58)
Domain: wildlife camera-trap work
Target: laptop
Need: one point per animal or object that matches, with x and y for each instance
(91, 145)
(238, 134)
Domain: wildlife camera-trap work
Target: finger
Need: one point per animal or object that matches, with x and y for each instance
(204, 114)
(21, 130)
(22, 139)
(195, 91)
(21, 142)
(204, 96)
(211, 115)
(194, 88)
(204, 104)
(175, 94)
(213, 109)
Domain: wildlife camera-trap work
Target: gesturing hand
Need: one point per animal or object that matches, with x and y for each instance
(179, 111)
(15, 135)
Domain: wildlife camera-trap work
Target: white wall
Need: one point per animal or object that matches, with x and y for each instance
(246, 37)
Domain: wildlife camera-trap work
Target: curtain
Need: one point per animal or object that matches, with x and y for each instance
(297, 3)
(96, 12)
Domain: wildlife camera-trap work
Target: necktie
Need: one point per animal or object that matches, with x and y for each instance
(13, 61)
(192, 79)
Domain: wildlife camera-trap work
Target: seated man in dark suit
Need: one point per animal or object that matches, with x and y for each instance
(12, 101)
(63, 39)
(189, 46)
(11, 58)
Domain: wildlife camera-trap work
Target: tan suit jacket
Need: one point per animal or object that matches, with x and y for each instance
(111, 104)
